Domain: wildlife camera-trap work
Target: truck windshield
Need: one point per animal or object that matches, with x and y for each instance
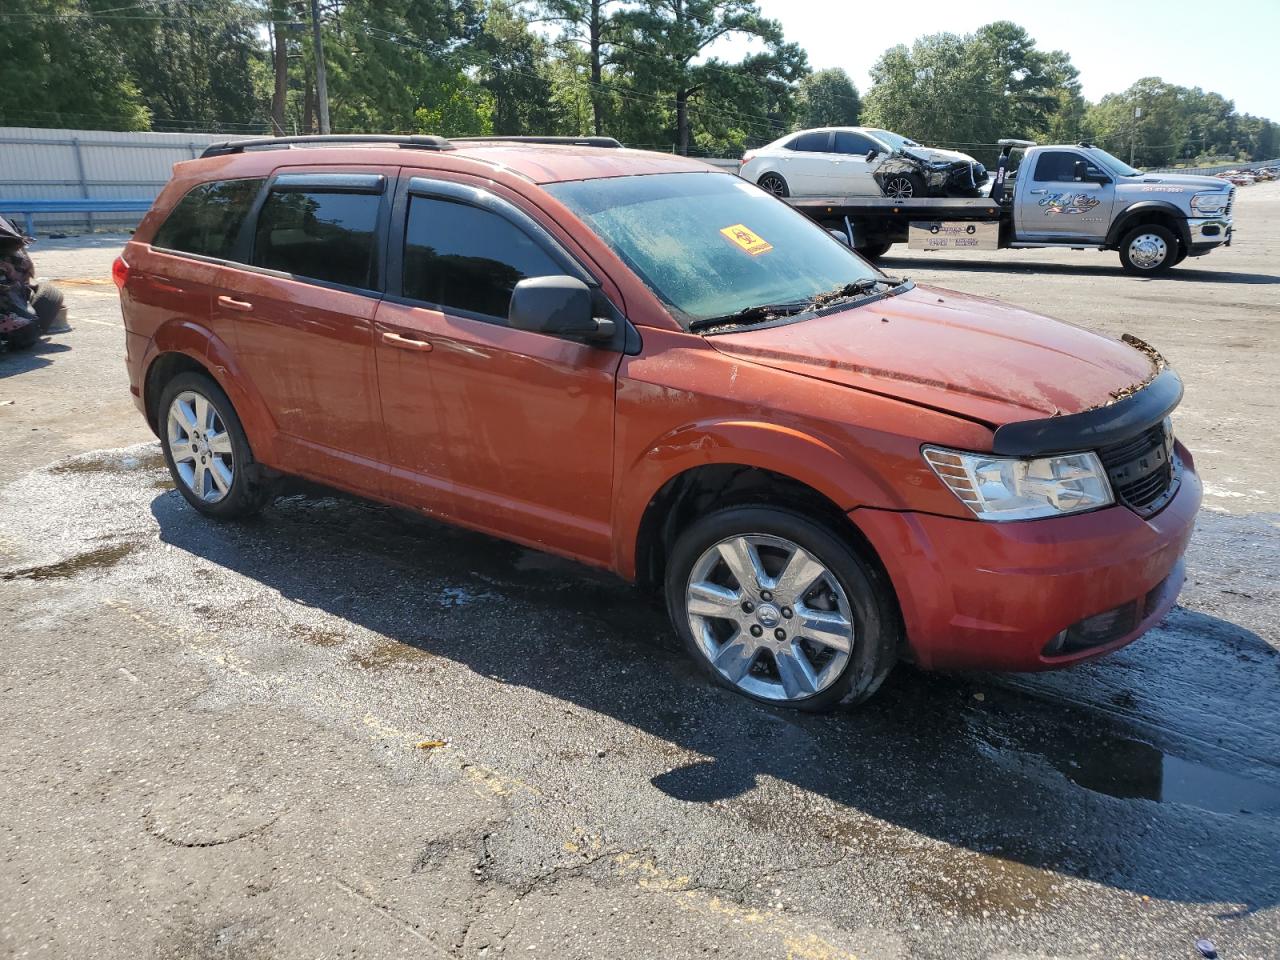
(711, 245)
(1115, 165)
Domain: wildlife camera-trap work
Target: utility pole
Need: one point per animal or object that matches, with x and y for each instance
(322, 84)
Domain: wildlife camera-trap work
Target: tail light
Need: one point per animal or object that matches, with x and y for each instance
(746, 158)
(120, 272)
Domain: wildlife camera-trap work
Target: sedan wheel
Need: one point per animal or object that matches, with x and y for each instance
(772, 183)
(769, 617)
(200, 446)
(900, 187)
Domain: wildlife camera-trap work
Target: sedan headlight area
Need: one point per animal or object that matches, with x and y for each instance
(1210, 204)
(1010, 488)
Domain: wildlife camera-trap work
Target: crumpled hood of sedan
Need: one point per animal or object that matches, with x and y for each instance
(978, 358)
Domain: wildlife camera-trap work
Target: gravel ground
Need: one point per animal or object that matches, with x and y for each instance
(341, 730)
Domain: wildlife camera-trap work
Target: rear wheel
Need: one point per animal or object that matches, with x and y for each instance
(773, 183)
(206, 449)
(777, 607)
(50, 306)
(874, 251)
(904, 186)
(1148, 249)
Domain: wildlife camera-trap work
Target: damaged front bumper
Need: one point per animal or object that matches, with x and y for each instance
(942, 178)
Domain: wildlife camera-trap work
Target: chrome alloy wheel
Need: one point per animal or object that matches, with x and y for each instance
(1147, 251)
(770, 617)
(899, 188)
(772, 183)
(200, 446)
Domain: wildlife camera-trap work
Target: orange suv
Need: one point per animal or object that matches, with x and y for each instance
(651, 366)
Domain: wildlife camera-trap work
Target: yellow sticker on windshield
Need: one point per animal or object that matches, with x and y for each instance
(748, 240)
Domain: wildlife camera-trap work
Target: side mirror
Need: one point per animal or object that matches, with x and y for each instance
(872, 154)
(557, 305)
(841, 236)
(1083, 174)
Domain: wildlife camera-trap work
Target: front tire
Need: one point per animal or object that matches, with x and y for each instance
(1148, 250)
(207, 451)
(904, 186)
(777, 607)
(874, 251)
(773, 183)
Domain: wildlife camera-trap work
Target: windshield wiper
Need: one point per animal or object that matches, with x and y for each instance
(851, 291)
(763, 311)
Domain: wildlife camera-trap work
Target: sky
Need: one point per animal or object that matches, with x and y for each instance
(1232, 49)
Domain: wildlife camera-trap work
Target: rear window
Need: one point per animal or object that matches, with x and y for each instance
(460, 256)
(319, 235)
(208, 219)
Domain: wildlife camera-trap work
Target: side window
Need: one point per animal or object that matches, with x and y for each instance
(319, 235)
(811, 142)
(460, 256)
(207, 220)
(848, 142)
(1056, 166)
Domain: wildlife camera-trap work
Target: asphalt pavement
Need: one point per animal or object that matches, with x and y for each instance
(343, 730)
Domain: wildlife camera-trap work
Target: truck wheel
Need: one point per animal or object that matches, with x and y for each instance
(874, 251)
(1182, 254)
(904, 186)
(777, 607)
(1148, 249)
(207, 451)
(773, 183)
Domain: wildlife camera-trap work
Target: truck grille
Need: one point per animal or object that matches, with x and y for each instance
(1142, 469)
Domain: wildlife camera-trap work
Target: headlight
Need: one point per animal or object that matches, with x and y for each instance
(1209, 204)
(1008, 488)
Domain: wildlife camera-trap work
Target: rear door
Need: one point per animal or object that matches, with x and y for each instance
(506, 430)
(303, 310)
(806, 164)
(1055, 206)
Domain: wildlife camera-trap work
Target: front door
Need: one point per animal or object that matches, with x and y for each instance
(1060, 207)
(502, 429)
(303, 314)
(852, 173)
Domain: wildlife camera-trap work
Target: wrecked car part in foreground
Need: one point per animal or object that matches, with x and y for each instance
(649, 366)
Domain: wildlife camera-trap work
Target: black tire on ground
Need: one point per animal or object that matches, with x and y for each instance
(874, 251)
(250, 490)
(1145, 237)
(775, 184)
(877, 624)
(1182, 254)
(50, 307)
(904, 186)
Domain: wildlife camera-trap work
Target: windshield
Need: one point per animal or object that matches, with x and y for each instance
(892, 139)
(1116, 166)
(711, 245)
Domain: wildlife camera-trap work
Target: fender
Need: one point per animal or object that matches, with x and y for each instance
(212, 352)
(1134, 214)
(768, 446)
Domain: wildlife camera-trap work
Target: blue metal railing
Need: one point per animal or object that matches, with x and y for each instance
(29, 208)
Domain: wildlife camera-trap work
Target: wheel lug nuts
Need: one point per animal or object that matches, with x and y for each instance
(747, 606)
(766, 596)
(786, 612)
(756, 630)
(780, 634)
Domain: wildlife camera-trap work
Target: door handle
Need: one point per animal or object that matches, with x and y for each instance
(244, 306)
(405, 343)
(1037, 191)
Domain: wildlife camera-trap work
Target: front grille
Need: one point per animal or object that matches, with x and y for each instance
(1142, 469)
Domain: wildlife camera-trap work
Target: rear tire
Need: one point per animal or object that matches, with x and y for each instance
(774, 183)
(50, 306)
(1148, 250)
(874, 251)
(814, 625)
(206, 449)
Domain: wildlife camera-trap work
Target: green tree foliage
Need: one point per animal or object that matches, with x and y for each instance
(513, 69)
(828, 98)
(61, 68)
(668, 41)
(588, 26)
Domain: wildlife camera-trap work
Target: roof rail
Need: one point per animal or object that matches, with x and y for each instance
(224, 147)
(609, 142)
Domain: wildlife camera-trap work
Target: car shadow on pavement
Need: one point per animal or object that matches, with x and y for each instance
(1073, 786)
(894, 265)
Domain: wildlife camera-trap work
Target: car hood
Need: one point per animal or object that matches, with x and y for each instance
(1187, 180)
(938, 156)
(976, 358)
